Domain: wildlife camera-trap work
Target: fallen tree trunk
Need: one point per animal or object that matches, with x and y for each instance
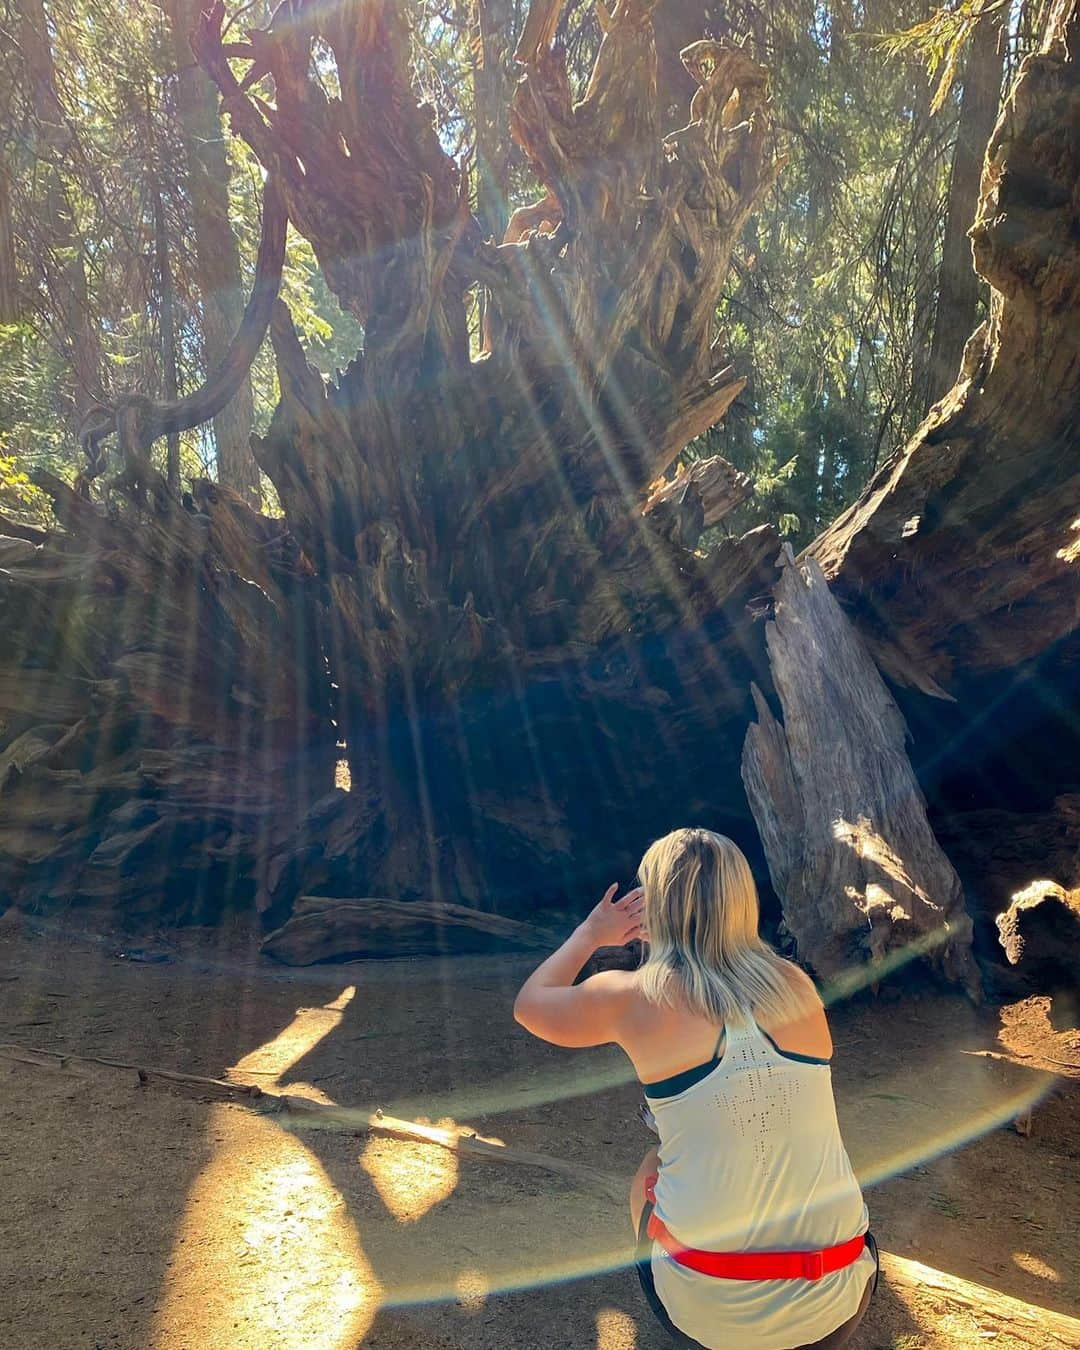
(959, 560)
(862, 881)
(479, 615)
(326, 929)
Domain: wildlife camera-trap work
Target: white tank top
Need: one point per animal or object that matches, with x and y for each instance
(751, 1159)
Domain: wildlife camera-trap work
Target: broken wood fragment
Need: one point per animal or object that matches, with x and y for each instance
(697, 498)
(862, 881)
(1040, 931)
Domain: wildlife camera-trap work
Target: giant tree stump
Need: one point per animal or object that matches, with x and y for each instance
(863, 883)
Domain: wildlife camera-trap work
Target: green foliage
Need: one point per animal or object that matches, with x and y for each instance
(829, 309)
(939, 41)
(832, 299)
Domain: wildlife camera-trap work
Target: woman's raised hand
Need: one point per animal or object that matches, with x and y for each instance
(614, 923)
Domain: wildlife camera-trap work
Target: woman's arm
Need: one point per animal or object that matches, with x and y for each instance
(552, 1007)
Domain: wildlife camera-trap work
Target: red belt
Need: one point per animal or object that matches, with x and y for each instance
(753, 1265)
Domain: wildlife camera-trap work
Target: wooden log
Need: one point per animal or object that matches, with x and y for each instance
(941, 1297)
(861, 878)
(324, 928)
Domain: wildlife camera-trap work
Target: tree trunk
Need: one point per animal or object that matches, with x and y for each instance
(863, 883)
(10, 307)
(217, 254)
(62, 261)
(492, 82)
(925, 206)
(958, 282)
(166, 298)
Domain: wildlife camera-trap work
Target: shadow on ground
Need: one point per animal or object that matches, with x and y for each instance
(175, 1223)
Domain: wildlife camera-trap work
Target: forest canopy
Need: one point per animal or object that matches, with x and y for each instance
(129, 222)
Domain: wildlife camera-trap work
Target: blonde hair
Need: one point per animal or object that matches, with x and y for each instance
(701, 916)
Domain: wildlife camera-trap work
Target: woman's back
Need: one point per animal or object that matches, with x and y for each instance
(756, 1218)
(751, 1159)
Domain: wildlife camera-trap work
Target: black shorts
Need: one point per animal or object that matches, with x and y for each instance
(643, 1265)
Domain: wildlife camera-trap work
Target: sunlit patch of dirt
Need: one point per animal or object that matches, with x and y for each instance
(172, 1223)
(410, 1178)
(265, 1253)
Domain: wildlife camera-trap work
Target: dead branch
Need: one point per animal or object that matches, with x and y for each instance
(138, 421)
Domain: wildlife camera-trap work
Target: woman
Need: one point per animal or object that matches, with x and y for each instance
(752, 1225)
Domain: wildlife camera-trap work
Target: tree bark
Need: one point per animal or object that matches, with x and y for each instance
(492, 83)
(958, 282)
(10, 306)
(862, 881)
(61, 260)
(217, 253)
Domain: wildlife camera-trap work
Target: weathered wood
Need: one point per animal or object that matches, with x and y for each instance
(188, 1083)
(940, 1296)
(862, 881)
(323, 928)
(698, 497)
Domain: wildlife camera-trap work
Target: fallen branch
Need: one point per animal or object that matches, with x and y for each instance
(57, 1059)
(457, 1141)
(1014, 1055)
(348, 1117)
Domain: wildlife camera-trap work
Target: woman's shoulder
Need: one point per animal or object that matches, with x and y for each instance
(800, 982)
(801, 1026)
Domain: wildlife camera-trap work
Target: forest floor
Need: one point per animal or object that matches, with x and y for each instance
(136, 1216)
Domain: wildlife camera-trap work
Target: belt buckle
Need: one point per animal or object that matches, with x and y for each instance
(813, 1264)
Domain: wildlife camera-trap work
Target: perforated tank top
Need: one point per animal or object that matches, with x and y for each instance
(751, 1159)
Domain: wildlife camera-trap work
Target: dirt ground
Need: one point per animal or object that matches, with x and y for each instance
(136, 1216)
